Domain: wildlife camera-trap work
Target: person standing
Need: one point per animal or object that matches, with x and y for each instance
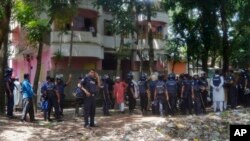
(105, 95)
(53, 99)
(90, 85)
(196, 93)
(60, 86)
(172, 87)
(161, 95)
(17, 93)
(143, 92)
(218, 91)
(9, 87)
(79, 97)
(28, 94)
(186, 94)
(132, 92)
(119, 93)
(152, 85)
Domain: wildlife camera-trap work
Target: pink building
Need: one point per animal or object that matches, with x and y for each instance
(93, 45)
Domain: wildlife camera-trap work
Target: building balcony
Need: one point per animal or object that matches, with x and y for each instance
(78, 37)
(88, 4)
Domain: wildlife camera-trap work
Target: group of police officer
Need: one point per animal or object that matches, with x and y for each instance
(163, 95)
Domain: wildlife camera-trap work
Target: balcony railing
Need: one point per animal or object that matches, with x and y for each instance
(78, 37)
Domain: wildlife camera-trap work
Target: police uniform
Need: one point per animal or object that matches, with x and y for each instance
(10, 98)
(142, 84)
(204, 92)
(131, 98)
(60, 88)
(197, 96)
(171, 85)
(160, 101)
(52, 100)
(187, 101)
(90, 84)
(106, 98)
(44, 100)
(152, 85)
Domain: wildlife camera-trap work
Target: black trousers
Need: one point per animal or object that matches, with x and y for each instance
(132, 102)
(144, 101)
(106, 106)
(10, 105)
(233, 94)
(89, 110)
(61, 104)
(187, 104)
(172, 101)
(52, 102)
(79, 101)
(28, 108)
(198, 103)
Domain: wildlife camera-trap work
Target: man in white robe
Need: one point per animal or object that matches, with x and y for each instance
(218, 91)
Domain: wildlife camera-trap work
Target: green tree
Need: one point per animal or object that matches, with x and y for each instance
(29, 14)
(5, 15)
(122, 24)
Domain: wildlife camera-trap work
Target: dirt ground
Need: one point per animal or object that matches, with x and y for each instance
(70, 129)
(123, 127)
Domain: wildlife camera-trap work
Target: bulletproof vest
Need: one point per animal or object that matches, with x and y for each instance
(130, 86)
(171, 86)
(160, 87)
(8, 79)
(60, 88)
(187, 86)
(196, 85)
(216, 81)
(91, 85)
(50, 87)
(152, 86)
(142, 86)
(203, 82)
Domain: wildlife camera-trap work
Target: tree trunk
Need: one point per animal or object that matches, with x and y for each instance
(225, 44)
(150, 39)
(204, 60)
(71, 47)
(118, 67)
(38, 71)
(4, 30)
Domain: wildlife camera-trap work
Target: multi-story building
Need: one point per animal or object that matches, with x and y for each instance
(93, 46)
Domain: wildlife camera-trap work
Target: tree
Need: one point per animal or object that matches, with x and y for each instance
(5, 15)
(122, 23)
(29, 14)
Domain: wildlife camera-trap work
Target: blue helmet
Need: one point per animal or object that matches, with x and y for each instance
(171, 76)
(130, 75)
(143, 76)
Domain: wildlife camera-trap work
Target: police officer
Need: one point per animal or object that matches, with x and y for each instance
(152, 85)
(110, 83)
(60, 86)
(105, 95)
(143, 90)
(44, 98)
(232, 90)
(171, 85)
(161, 95)
(204, 88)
(9, 88)
(186, 94)
(247, 89)
(242, 85)
(53, 99)
(131, 90)
(196, 94)
(90, 86)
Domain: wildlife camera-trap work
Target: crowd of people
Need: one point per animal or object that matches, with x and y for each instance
(161, 94)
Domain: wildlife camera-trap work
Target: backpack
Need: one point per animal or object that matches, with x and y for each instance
(78, 92)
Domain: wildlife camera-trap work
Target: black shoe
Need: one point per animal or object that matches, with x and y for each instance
(94, 125)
